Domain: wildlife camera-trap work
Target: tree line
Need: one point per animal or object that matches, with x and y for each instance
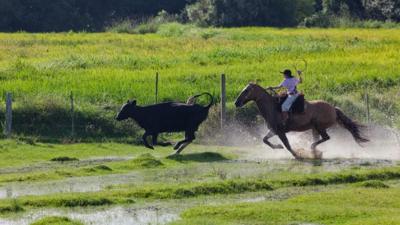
(95, 15)
(78, 15)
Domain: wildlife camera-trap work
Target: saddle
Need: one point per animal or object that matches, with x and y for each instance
(297, 107)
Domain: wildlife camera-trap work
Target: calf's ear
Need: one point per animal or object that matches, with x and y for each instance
(128, 102)
(133, 102)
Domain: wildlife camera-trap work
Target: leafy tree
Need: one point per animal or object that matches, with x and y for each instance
(383, 9)
(261, 12)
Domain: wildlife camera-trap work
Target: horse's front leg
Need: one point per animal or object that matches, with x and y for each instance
(270, 135)
(285, 141)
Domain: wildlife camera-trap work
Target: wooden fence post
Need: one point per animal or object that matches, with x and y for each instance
(223, 101)
(8, 122)
(72, 115)
(367, 104)
(157, 77)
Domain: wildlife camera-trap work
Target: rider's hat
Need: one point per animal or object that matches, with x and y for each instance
(287, 72)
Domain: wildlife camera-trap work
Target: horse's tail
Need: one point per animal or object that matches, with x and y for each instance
(350, 125)
(192, 100)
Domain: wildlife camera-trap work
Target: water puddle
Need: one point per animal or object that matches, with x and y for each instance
(156, 212)
(76, 184)
(111, 216)
(55, 165)
(201, 172)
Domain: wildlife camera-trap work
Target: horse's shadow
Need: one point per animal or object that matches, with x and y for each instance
(198, 157)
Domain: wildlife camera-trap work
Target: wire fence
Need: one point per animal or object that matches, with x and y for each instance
(71, 123)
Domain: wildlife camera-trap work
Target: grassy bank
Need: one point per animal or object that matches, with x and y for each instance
(349, 206)
(104, 70)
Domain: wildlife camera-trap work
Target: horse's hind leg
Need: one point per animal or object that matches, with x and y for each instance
(315, 135)
(285, 142)
(270, 135)
(324, 135)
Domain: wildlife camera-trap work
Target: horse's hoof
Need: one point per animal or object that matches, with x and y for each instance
(317, 154)
(279, 146)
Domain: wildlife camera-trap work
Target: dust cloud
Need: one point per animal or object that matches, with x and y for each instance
(384, 143)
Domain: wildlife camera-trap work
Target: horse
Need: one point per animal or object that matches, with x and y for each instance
(318, 116)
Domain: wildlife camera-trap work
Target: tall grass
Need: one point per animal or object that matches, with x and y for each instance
(104, 70)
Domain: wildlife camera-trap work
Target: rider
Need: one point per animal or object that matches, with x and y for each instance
(290, 83)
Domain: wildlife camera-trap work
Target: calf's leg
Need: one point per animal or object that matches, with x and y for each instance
(189, 137)
(144, 138)
(155, 141)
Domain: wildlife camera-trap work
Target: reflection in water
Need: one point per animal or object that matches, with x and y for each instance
(77, 184)
(230, 169)
(111, 216)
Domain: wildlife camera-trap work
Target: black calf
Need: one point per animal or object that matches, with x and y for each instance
(167, 117)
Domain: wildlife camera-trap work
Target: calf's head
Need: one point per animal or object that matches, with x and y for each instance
(126, 111)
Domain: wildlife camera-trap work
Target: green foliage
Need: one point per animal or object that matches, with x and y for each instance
(146, 26)
(358, 13)
(202, 13)
(87, 15)
(383, 10)
(55, 220)
(280, 13)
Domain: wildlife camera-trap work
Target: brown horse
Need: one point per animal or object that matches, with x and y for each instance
(318, 116)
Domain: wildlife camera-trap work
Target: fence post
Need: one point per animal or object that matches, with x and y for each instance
(367, 103)
(223, 100)
(8, 124)
(72, 115)
(157, 76)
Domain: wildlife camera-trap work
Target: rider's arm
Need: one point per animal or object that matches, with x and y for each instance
(300, 77)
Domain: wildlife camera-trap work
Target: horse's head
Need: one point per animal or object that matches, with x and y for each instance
(250, 93)
(126, 111)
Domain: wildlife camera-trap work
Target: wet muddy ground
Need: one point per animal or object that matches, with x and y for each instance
(255, 162)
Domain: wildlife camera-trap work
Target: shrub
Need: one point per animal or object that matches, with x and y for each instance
(142, 26)
(201, 13)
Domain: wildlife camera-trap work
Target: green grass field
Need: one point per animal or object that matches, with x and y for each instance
(104, 70)
(67, 180)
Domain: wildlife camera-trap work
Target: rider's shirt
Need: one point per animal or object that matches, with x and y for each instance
(290, 84)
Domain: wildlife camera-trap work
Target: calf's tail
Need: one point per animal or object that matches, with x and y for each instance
(351, 126)
(192, 100)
